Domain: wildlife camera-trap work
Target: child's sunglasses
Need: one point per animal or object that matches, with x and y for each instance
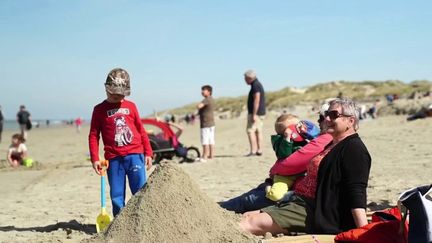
(334, 114)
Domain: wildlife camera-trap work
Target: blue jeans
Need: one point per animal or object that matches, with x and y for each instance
(254, 199)
(133, 167)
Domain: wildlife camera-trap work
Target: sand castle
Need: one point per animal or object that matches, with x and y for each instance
(172, 208)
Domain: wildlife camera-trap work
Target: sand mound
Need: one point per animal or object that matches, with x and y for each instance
(171, 208)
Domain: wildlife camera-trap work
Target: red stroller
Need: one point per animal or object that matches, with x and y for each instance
(165, 144)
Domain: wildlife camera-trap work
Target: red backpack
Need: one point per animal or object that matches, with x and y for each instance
(387, 226)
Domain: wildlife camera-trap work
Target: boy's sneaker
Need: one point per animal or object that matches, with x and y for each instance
(200, 160)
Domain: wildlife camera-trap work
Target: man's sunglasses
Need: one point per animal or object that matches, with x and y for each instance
(334, 114)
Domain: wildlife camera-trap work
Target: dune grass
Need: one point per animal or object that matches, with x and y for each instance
(366, 91)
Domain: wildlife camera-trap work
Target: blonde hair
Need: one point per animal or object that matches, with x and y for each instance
(283, 121)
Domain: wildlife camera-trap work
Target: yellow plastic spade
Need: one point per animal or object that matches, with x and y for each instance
(103, 219)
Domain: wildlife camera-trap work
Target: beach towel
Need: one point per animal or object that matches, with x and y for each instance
(418, 201)
(385, 227)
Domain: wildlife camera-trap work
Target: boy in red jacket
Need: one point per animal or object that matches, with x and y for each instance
(125, 140)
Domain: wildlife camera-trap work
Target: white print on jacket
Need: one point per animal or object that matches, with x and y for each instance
(123, 134)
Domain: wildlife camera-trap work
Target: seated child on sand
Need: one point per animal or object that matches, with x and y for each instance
(17, 150)
(289, 138)
(292, 134)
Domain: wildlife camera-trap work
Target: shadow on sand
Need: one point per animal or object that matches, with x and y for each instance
(383, 204)
(225, 156)
(66, 226)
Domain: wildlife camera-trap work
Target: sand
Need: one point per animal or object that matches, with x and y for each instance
(59, 200)
(172, 208)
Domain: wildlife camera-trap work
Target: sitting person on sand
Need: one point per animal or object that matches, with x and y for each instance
(331, 198)
(423, 113)
(294, 164)
(17, 150)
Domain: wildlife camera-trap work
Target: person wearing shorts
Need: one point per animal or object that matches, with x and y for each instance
(256, 112)
(254, 126)
(205, 110)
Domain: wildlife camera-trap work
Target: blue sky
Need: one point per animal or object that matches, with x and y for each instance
(55, 54)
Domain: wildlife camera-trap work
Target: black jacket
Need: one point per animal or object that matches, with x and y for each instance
(341, 186)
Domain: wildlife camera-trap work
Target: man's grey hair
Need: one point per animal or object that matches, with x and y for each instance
(349, 108)
(250, 74)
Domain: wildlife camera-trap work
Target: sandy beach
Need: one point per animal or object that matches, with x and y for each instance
(58, 199)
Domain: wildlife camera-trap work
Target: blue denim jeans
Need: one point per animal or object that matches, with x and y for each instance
(254, 199)
(133, 167)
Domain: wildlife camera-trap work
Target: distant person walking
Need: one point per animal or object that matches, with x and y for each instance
(256, 113)
(1, 123)
(207, 124)
(78, 124)
(24, 120)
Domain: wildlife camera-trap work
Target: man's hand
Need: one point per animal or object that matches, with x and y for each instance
(255, 118)
(148, 162)
(97, 167)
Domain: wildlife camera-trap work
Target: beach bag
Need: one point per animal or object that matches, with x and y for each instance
(387, 226)
(29, 125)
(418, 201)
